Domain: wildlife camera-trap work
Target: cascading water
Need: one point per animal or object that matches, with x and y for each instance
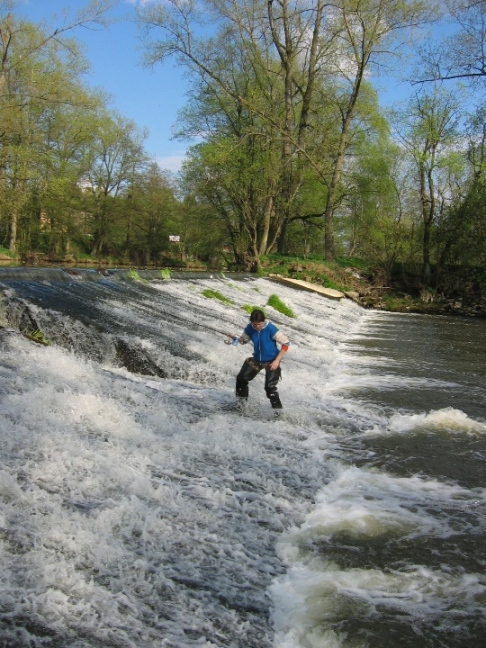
(135, 510)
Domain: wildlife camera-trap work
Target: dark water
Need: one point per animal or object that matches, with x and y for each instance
(432, 362)
(416, 530)
(433, 368)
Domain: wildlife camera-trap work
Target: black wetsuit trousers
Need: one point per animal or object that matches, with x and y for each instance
(249, 370)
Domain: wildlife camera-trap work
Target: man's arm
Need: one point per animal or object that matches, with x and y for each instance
(276, 362)
(239, 339)
(282, 339)
(244, 338)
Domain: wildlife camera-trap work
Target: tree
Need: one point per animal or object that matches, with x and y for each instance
(364, 31)
(377, 216)
(219, 173)
(288, 50)
(461, 55)
(113, 158)
(236, 103)
(429, 131)
(34, 80)
(152, 213)
(463, 235)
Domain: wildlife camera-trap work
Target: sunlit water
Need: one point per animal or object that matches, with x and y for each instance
(136, 510)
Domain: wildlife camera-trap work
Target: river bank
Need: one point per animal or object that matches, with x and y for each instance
(463, 294)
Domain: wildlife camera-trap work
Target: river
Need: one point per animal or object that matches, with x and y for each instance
(138, 510)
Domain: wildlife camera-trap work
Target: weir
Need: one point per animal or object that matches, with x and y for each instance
(137, 509)
(71, 308)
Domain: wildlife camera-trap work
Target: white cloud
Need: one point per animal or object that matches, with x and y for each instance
(140, 2)
(171, 163)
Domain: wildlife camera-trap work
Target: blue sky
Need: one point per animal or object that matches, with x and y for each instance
(149, 97)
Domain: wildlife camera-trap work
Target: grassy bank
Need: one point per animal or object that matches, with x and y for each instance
(402, 293)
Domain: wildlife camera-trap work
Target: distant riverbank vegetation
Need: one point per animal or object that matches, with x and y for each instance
(297, 170)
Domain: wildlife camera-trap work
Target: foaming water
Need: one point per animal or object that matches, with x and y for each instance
(385, 559)
(394, 551)
(137, 510)
(447, 420)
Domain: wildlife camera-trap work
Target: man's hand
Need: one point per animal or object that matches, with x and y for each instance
(276, 362)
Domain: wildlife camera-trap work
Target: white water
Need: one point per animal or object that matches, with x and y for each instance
(135, 511)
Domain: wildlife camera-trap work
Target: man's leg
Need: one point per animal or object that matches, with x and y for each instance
(247, 373)
(271, 380)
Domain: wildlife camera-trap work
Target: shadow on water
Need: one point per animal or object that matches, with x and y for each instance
(74, 309)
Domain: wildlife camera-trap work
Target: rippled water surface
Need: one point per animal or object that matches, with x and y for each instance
(137, 509)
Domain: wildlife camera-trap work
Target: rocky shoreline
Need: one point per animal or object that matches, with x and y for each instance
(368, 292)
(405, 303)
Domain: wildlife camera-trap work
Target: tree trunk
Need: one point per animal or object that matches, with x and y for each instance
(12, 245)
(427, 199)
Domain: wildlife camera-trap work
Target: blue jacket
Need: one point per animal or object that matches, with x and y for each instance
(264, 341)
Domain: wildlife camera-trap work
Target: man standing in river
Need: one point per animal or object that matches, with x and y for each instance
(266, 355)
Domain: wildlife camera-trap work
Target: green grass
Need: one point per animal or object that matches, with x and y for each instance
(133, 275)
(275, 302)
(232, 285)
(352, 262)
(329, 283)
(36, 336)
(248, 308)
(214, 294)
(314, 268)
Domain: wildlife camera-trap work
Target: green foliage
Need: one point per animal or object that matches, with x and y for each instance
(275, 302)
(133, 275)
(248, 308)
(36, 336)
(313, 268)
(463, 238)
(165, 273)
(214, 294)
(329, 283)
